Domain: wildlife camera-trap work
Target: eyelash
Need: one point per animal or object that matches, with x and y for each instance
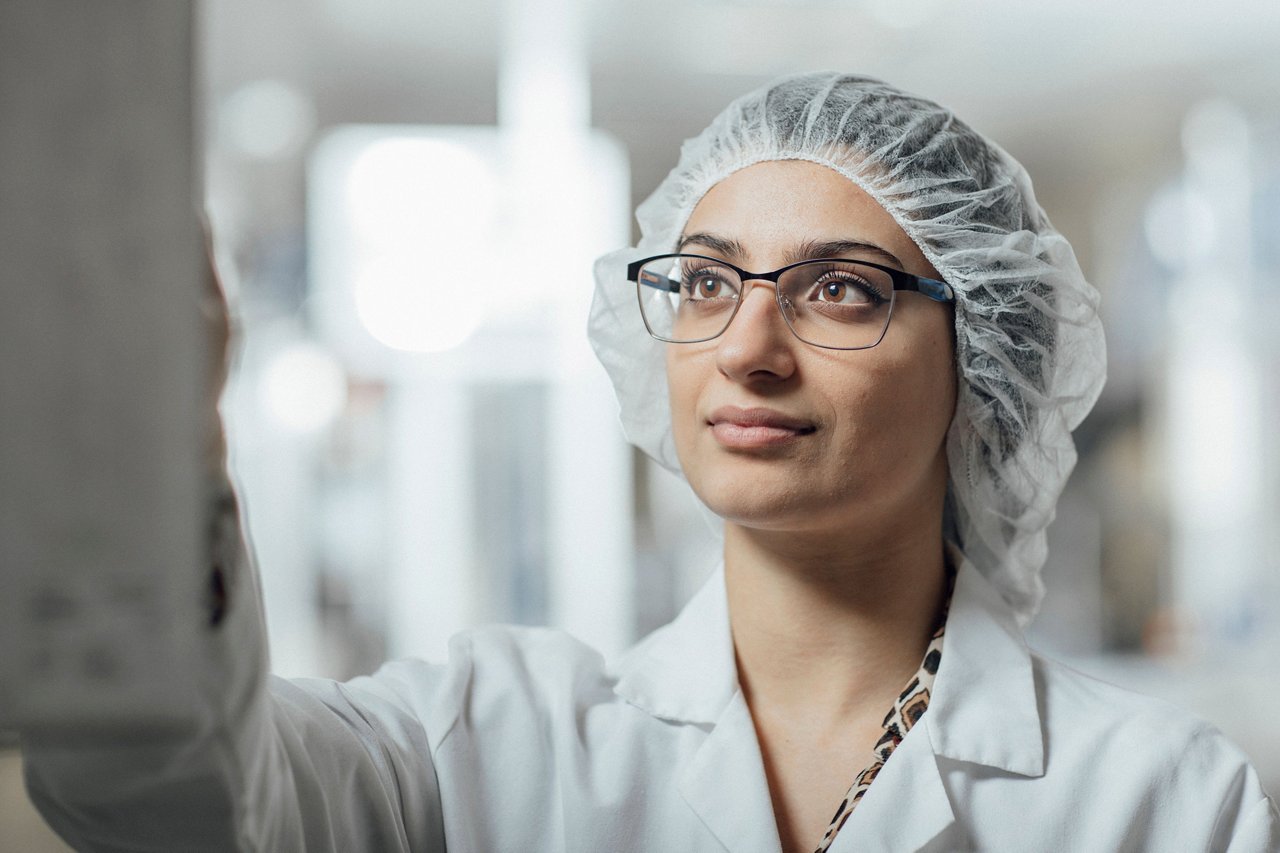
(688, 277)
(850, 280)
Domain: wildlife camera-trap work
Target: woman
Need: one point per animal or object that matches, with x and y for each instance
(852, 329)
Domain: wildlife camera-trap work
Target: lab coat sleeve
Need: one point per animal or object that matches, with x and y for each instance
(1205, 793)
(1257, 830)
(271, 765)
(1208, 770)
(1247, 820)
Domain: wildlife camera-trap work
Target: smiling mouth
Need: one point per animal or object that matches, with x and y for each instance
(735, 428)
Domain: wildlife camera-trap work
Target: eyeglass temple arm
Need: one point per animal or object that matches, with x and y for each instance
(654, 280)
(938, 291)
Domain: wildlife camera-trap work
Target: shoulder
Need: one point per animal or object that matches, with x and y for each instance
(542, 664)
(1152, 762)
(496, 674)
(1121, 771)
(1082, 710)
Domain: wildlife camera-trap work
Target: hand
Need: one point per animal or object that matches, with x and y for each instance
(222, 516)
(217, 319)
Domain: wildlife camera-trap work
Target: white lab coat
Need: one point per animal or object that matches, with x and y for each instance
(526, 740)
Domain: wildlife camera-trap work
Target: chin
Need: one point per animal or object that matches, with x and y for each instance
(752, 501)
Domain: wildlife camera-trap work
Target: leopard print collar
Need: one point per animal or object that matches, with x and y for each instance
(906, 711)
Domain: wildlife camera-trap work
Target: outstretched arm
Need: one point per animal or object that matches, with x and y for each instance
(267, 764)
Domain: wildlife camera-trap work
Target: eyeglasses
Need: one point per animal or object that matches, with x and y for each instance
(829, 303)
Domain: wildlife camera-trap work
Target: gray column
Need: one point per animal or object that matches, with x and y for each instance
(103, 361)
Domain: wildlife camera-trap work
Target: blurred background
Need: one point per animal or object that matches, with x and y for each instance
(422, 446)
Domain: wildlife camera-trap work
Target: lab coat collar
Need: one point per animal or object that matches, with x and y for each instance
(685, 671)
(983, 709)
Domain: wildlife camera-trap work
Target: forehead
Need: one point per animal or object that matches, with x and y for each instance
(771, 207)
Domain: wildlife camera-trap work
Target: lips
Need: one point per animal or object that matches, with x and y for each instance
(737, 428)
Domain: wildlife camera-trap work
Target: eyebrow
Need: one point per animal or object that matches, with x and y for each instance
(723, 245)
(803, 251)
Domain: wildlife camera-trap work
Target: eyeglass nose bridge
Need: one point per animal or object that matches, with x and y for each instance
(749, 280)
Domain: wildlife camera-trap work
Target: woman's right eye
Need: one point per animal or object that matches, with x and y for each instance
(706, 286)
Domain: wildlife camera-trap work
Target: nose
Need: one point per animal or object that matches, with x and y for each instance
(758, 346)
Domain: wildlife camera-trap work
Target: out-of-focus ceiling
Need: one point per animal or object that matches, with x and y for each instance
(1080, 92)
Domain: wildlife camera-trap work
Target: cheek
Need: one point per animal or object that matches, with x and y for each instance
(681, 394)
(925, 399)
(901, 403)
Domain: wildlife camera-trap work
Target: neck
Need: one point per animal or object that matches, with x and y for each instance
(827, 630)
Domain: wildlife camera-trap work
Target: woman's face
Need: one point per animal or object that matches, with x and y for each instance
(777, 434)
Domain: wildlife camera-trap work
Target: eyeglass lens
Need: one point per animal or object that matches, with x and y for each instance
(829, 303)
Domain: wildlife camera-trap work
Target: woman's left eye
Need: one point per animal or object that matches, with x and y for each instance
(842, 292)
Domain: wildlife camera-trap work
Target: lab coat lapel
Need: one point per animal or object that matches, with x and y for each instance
(905, 808)
(983, 710)
(725, 784)
(686, 672)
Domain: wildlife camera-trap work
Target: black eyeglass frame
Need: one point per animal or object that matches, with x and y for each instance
(938, 291)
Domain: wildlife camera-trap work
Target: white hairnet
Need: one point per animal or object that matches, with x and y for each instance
(1030, 354)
